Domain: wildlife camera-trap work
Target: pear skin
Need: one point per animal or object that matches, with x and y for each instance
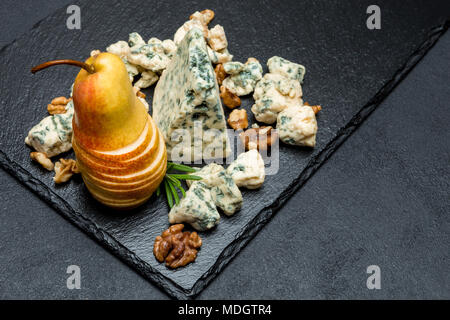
(107, 114)
(120, 151)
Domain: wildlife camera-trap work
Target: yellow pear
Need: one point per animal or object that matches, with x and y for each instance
(119, 149)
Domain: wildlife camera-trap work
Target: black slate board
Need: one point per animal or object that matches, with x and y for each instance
(349, 71)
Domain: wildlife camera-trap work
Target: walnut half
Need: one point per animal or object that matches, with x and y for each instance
(64, 169)
(238, 119)
(177, 248)
(230, 99)
(42, 159)
(58, 105)
(219, 70)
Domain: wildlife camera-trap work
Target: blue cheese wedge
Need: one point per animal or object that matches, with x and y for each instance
(248, 170)
(225, 193)
(297, 125)
(273, 94)
(187, 101)
(244, 77)
(197, 208)
(286, 68)
(188, 26)
(53, 135)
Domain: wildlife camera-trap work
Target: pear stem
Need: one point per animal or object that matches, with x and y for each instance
(89, 68)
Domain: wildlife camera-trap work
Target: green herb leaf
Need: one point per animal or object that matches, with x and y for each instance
(185, 176)
(175, 193)
(174, 180)
(158, 190)
(182, 191)
(182, 167)
(169, 166)
(168, 193)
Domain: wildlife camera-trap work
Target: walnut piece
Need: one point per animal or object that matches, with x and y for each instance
(316, 108)
(258, 138)
(230, 99)
(220, 73)
(238, 119)
(43, 160)
(64, 169)
(204, 16)
(58, 105)
(139, 93)
(177, 248)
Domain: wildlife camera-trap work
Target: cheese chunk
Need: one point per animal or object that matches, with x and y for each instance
(224, 191)
(220, 56)
(248, 170)
(297, 125)
(120, 48)
(273, 94)
(243, 77)
(286, 68)
(53, 135)
(187, 97)
(217, 39)
(147, 79)
(150, 56)
(197, 208)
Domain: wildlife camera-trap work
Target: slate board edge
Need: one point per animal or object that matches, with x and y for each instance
(256, 224)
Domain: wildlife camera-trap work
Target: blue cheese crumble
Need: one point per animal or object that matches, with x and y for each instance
(225, 193)
(244, 77)
(297, 125)
(273, 94)
(248, 170)
(197, 208)
(286, 68)
(53, 135)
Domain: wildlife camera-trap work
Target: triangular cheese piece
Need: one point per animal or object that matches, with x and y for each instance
(187, 98)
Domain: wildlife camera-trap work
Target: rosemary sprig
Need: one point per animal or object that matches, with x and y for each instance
(172, 182)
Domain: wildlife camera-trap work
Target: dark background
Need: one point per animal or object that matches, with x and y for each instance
(382, 198)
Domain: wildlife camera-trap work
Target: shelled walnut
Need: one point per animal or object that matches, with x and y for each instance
(219, 70)
(258, 138)
(230, 99)
(58, 105)
(177, 248)
(64, 169)
(238, 119)
(42, 159)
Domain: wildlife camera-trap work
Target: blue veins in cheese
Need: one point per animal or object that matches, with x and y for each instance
(286, 68)
(196, 208)
(148, 59)
(248, 170)
(53, 135)
(297, 125)
(225, 193)
(186, 101)
(243, 77)
(273, 94)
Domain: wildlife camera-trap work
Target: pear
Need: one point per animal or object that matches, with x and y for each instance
(119, 149)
